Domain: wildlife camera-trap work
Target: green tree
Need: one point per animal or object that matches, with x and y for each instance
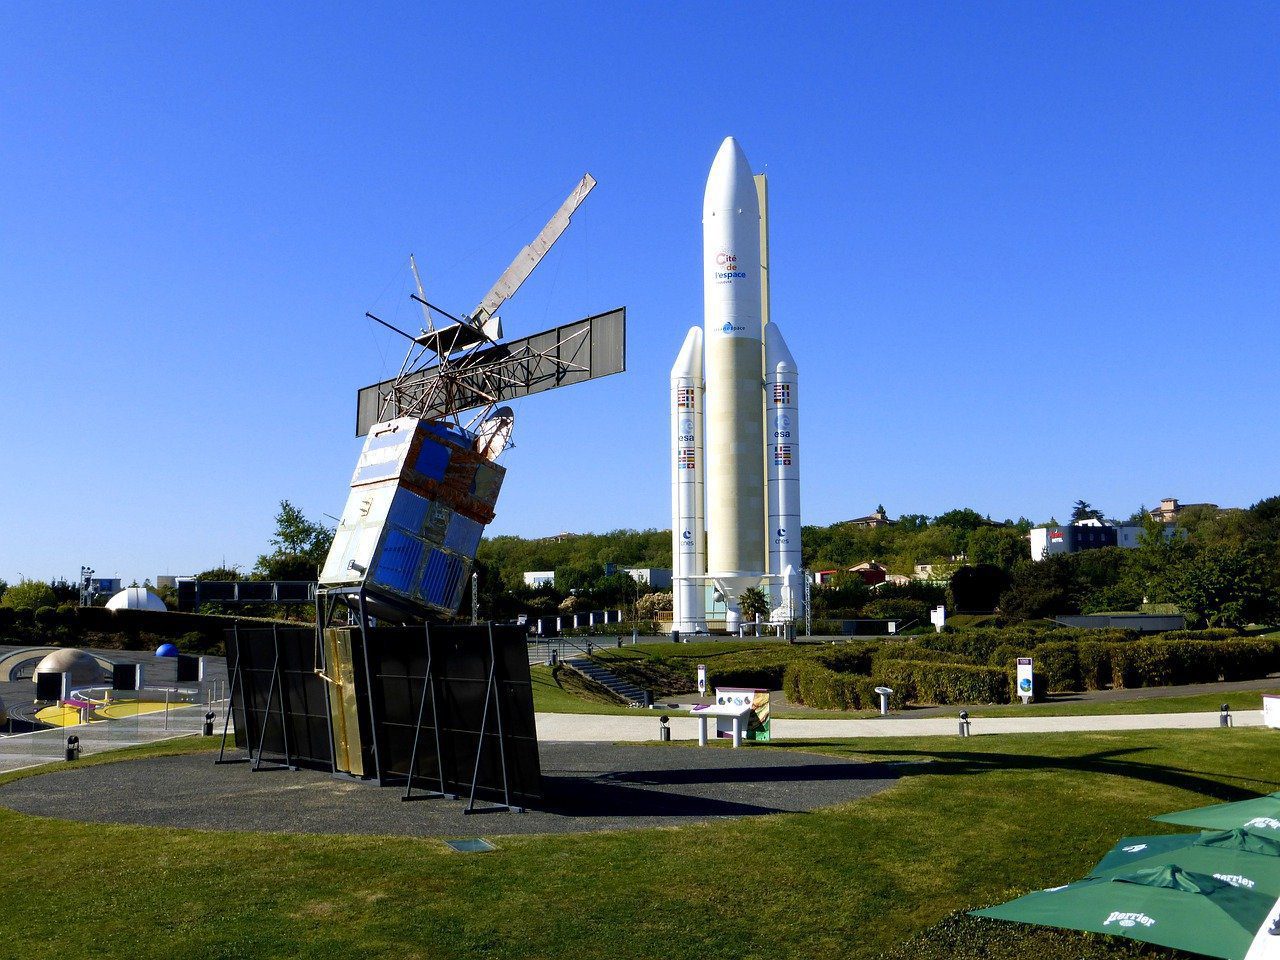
(1223, 587)
(300, 547)
(1001, 547)
(1083, 510)
(29, 595)
(977, 588)
(220, 573)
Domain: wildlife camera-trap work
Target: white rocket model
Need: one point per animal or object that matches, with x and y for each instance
(688, 524)
(735, 386)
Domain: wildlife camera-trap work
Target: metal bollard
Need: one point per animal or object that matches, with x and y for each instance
(635, 635)
(1224, 715)
(208, 724)
(73, 747)
(664, 731)
(964, 723)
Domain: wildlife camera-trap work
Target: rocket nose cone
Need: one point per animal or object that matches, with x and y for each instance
(730, 183)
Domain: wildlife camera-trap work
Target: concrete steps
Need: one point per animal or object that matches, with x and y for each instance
(598, 674)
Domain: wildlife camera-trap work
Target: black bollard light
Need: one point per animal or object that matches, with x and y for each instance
(1224, 715)
(964, 723)
(208, 724)
(73, 747)
(664, 731)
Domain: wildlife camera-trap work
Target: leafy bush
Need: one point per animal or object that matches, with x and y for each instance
(943, 683)
(47, 617)
(1060, 665)
(29, 595)
(902, 609)
(1094, 657)
(814, 685)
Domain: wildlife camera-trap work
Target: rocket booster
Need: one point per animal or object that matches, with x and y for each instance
(782, 455)
(688, 526)
(734, 366)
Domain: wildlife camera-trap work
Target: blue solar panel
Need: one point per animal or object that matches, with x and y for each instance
(463, 535)
(433, 459)
(398, 562)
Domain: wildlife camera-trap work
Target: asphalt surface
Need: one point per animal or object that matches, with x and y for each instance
(589, 787)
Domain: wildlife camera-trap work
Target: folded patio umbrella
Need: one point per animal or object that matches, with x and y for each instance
(1240, 857)
(1165, 905)
(1260, 813)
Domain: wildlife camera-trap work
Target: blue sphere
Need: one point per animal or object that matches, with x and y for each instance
(166, 650)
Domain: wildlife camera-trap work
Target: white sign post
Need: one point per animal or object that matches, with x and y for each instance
(1025, 683)
(1271, 711)
(702, 679)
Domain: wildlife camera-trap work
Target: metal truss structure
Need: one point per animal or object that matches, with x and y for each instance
(461, 367)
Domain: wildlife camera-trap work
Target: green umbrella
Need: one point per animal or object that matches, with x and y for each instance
(1165, 905)
(1260, 813)
(1240, 857)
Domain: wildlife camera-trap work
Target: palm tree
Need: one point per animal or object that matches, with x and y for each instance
(753, 603)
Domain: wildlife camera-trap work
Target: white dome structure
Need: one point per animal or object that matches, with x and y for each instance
(135, 598)
(82, 668)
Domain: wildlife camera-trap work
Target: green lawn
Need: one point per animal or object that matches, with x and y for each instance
(1209, 702)
(984, 819)
(549, 696)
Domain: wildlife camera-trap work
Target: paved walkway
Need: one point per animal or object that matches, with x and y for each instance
(645, 725)
(24, 750)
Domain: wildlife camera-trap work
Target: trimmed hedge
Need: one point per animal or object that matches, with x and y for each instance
(814, 685)
(943, 683)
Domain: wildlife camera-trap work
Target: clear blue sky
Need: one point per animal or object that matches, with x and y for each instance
(1023, 253)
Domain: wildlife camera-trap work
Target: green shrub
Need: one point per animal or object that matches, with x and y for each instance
(902, 609)
(29, 595)
(46, 617)
(1094, 657)
(943, 683)
(814, 685)
(1060, 664)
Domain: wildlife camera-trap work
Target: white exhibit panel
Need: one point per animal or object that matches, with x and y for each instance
(688, 524)
(782, 460)
(1271, 711)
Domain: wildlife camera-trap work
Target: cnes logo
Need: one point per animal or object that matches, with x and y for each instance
(1128, 919)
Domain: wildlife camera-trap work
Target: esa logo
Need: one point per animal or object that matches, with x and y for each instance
(783, 431)
(686, 431)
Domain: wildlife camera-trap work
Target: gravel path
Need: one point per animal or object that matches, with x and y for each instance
(589, 787)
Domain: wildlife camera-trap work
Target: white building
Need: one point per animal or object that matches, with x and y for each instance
(658, 578)
(1090, 534)
(540, 578)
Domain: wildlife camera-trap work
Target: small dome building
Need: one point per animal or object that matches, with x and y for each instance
(136, 598)
(82, 668)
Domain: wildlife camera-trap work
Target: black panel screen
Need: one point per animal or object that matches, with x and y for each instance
(124, 676)
(455, 706)
(188, 668)
(48, 686)
(277, 697)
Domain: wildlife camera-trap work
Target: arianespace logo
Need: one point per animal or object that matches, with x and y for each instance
(731, 328)
(727, 268)
(1128, 919)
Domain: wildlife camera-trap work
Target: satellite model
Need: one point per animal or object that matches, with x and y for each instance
(428, 479)
(445, 707)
